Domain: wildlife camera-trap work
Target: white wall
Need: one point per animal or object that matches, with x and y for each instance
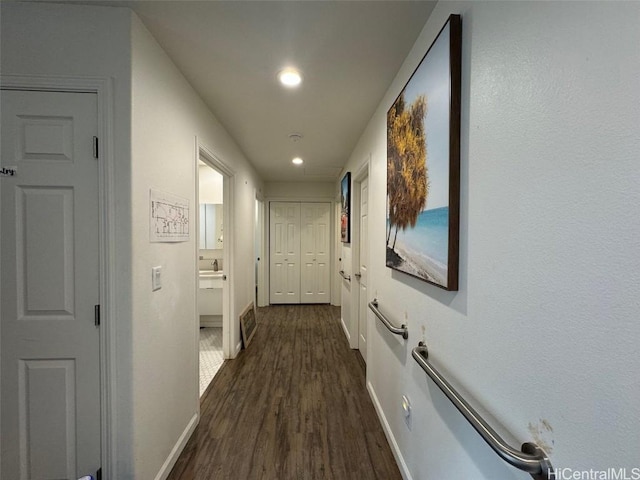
(167, 118)
(300, 191)
(210, 185)
(544, 328)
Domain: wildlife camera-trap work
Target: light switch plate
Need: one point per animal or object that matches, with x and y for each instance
(156, 278)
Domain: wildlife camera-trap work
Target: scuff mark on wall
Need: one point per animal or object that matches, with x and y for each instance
(542, 435)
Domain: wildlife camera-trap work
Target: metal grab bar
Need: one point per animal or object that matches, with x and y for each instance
(403, 330)
(345, 276)
(531, 459)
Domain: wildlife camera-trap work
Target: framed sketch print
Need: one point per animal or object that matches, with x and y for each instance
(423, 165)
(345, 213)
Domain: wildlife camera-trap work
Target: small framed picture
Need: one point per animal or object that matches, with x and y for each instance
(345, 212)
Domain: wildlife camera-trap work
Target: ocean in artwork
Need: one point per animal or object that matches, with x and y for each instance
(423, 250)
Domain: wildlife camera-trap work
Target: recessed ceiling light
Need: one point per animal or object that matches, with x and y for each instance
(290, 77)
(297, 161)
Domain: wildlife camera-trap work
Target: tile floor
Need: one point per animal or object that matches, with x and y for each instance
(211, 357)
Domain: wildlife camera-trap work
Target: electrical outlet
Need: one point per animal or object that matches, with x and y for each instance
(406, 410)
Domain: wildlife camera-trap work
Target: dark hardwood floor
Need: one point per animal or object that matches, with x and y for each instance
(293, 405)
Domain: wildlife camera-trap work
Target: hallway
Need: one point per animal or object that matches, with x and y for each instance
(294, 405)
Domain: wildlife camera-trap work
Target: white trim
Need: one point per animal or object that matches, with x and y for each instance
(336, 289)
(404, 470)
(363, 170)
(103, 88)
(346, 330)
(228, 302)
(356, 202)
(262, 297)
(171, 460)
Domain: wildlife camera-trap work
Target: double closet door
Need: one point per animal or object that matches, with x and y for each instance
(299, 247)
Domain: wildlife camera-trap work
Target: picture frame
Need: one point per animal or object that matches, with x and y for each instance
(423, 165)
(248, 324)
(345, 208)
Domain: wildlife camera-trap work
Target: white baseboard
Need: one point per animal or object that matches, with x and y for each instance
(346, 330)
(211, 321)
(238, 348)
(404, 470)
(177, 449)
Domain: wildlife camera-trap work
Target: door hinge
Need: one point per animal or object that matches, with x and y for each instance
(96, 315)
(95, 148)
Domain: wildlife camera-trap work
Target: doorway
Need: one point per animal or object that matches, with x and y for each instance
(299, 252)
(215, 264)
(210, 271)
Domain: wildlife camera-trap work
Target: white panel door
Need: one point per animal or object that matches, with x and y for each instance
(49, 251)
(284, 249)
(363, 278)
(315, 244)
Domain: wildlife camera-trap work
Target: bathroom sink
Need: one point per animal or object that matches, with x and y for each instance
(211, 273)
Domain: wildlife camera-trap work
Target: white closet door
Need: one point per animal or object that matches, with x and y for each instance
(284, 249)
(315, 278)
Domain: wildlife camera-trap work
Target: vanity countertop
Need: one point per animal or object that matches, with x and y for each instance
(210, 273)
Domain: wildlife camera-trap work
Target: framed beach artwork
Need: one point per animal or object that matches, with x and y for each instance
(345, 205)
(423, 165)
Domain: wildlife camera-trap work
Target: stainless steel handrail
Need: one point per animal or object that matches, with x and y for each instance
(403, 330)
(531, 459)
(345, 276)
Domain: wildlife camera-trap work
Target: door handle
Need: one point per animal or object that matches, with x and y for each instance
(357, 275)
(224, 277)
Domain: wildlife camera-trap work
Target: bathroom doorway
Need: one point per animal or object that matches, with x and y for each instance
(210, 271)
(214, 183)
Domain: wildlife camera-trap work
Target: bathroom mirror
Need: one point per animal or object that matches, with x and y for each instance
(211, 226)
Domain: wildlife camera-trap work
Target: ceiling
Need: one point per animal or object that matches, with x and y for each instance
(230, 52)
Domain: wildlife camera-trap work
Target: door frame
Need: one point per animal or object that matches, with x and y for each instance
(361, 174)
(103, 88)
(262, 299)
(228, 298)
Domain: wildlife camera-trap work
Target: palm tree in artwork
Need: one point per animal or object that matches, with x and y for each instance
(407, 173)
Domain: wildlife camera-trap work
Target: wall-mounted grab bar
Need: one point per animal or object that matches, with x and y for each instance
(403, 330)
(345, 276)
(531, 459)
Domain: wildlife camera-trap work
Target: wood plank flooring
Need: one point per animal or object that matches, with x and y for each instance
(293, 405)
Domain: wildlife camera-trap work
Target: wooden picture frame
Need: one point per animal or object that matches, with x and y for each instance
(248, 324)
(345, 208)
(423, 165)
